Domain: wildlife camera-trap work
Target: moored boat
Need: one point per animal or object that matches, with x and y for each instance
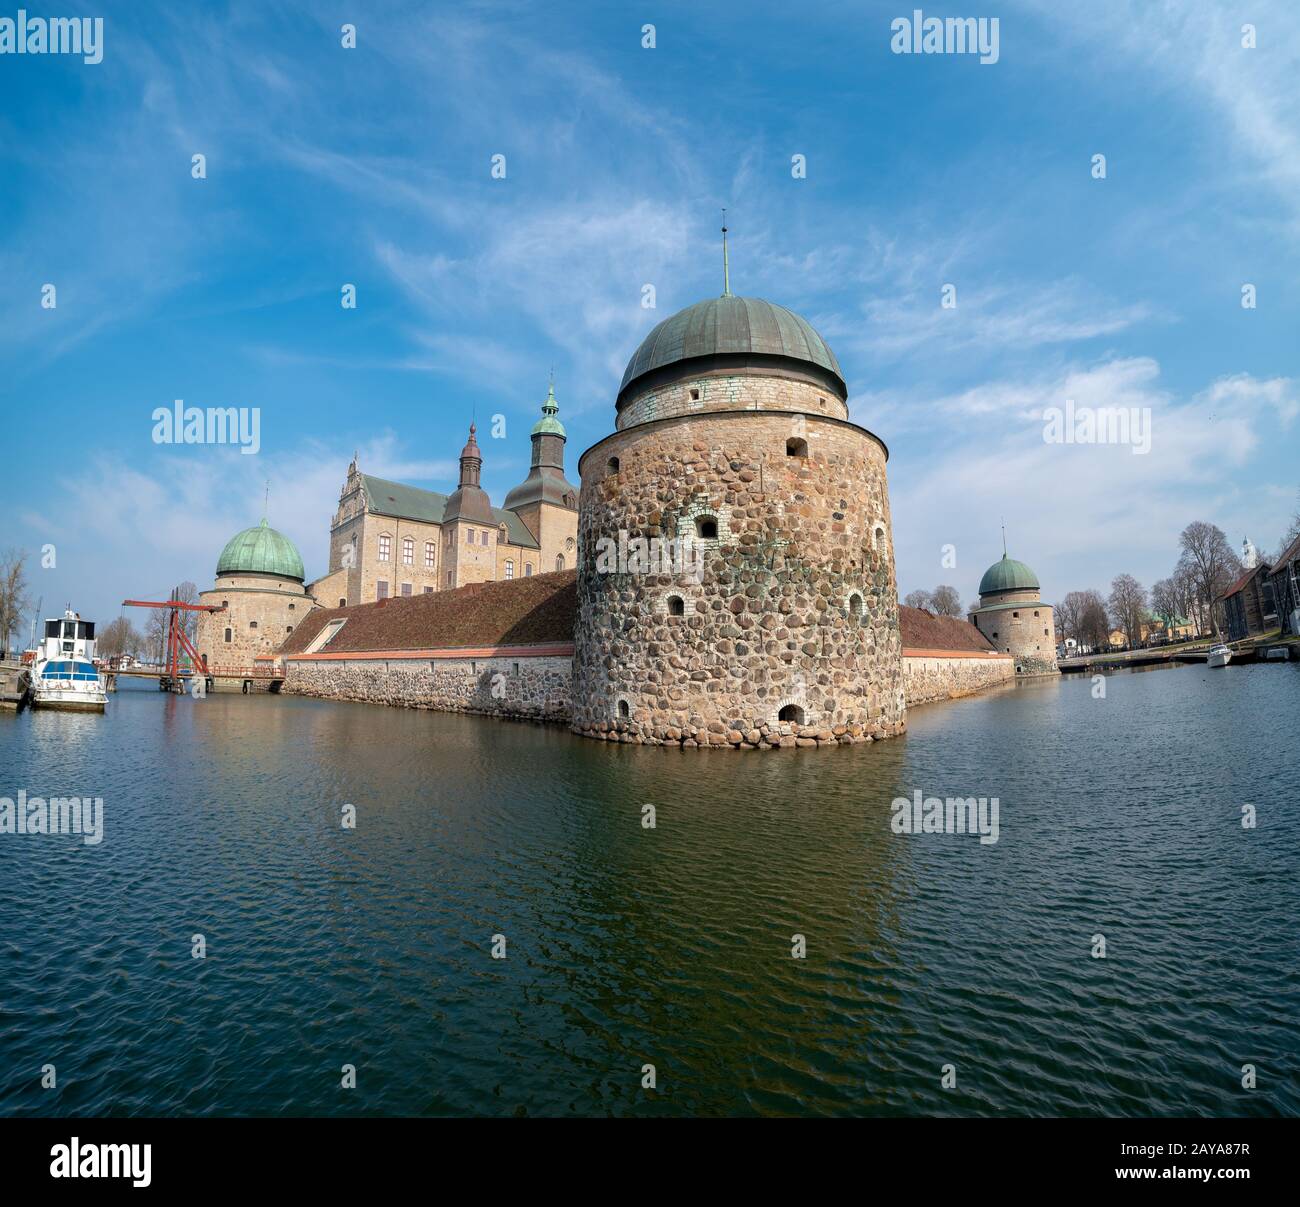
(1219, 655)
(64, 674)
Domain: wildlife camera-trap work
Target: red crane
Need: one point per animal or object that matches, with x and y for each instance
(176, 638)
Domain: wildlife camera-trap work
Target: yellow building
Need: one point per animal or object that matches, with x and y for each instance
(390, 539)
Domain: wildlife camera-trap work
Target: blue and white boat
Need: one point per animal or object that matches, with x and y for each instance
(65, 675)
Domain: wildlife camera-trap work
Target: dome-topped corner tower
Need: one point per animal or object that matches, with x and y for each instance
(546, 500)
(736, 567)
(259, 584)
(1014, 618)
(261, 550)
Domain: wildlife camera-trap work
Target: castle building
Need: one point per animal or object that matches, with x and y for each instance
(1014, 619)
(259, 583)
(733, 444)
(389, 539)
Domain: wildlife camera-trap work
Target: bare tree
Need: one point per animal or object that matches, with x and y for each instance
(1210, 566)
(1128, 607)
(1094, 626)
(1165, 599)
(118, 637)
(919, 599)
(1293, 531)
(155, 634)
(13, 595)
(945, 601)
(1069, 615)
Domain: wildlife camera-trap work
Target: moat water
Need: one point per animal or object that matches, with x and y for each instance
(670, 946)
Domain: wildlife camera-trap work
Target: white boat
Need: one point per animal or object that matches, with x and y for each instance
(64, 674)
(1219, 655)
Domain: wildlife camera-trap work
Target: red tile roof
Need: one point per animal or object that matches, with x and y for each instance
(924, 631)
(521, 611)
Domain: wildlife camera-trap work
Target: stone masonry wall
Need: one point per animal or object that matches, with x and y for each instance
(797, 605)
(945, 677)
(1027, 633)
(541, 689)
(731, 392)
(524, 687)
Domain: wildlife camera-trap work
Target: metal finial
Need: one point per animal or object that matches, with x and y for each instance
(266, 499)
(1004, 536)
(726, 262)
(726, 265)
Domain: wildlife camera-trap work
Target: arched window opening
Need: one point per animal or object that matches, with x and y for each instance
(613, 465)
(623, 710)
(706, 528)
(795, 447)
(791, 713)
(676, 606)
(559, 561)
(855, 605)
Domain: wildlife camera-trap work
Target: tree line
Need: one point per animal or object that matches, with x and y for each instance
(117, 637)
(1206, 566)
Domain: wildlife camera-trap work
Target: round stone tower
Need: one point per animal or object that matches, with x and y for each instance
(260, 583)
(1014, 618)
(735, 560)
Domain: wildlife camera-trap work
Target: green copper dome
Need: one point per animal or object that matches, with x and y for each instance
(1008, 575)
(730, 325)
(261, 550)
(548, 424)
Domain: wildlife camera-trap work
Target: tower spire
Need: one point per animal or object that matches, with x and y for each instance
(1004, 536)
(726, 266)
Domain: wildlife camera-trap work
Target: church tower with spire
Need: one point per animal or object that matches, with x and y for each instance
(546, 500)
(469, 527)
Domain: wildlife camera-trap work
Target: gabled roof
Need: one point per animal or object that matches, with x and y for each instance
(1289, 554)
(1238, 583)
(404, 502)
(923, 630)
(536, 610)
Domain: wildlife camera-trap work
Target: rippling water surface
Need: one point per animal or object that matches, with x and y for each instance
(672, 947)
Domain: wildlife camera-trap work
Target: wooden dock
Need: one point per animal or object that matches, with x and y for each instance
(15, 684)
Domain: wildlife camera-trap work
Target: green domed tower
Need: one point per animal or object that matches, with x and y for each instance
(259, 587)
(261, 550)
(1014, 618)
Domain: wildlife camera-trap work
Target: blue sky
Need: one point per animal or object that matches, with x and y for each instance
(371, 166)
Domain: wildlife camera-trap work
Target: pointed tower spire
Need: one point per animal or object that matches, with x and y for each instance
(1004, 538)
(726, 265)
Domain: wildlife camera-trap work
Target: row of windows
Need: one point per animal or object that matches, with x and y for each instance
(81, 672)
(408, 550)
(794, 447)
